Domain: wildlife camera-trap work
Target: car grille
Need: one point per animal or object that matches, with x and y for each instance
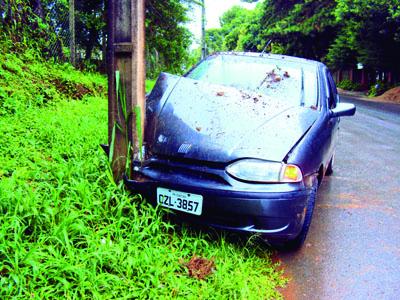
(208, 173)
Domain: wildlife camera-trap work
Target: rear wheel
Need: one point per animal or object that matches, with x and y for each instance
(299, 240)
(329, 169)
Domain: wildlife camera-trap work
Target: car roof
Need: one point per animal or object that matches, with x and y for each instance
(276, 57)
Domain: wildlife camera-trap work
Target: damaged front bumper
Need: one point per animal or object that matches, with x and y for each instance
(274, 215)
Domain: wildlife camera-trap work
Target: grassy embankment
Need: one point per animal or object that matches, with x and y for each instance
(66, 231)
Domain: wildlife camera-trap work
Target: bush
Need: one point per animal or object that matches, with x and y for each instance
(349, 85)
(378, 88)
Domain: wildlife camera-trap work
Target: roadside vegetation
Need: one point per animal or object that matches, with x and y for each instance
(349, 85)
(26, 81)
(68, 231)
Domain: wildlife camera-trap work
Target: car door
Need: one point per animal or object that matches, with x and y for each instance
(333, 123)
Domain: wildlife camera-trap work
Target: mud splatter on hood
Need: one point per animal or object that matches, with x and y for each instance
(222, 123)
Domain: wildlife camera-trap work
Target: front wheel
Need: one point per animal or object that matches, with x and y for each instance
(299, 240)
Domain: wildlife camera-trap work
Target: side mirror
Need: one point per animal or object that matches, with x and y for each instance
(343, 109)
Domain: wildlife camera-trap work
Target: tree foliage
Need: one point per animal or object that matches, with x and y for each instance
(167, 40)
(370, 34)
(90, 26)
(237, 32)
(23, 24)
(341, 33)
(41, 24)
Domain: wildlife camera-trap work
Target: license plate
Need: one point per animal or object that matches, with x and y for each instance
(190, 203)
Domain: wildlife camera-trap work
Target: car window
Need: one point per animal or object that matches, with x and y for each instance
(333, 96)
(286, 81)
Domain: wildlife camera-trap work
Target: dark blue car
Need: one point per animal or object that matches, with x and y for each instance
(242, 142)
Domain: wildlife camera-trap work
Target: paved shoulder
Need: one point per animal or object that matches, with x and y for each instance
(353, 248)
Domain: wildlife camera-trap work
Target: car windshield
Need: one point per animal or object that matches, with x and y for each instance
(282, 80)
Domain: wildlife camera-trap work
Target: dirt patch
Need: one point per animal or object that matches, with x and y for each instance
(199, 267)
(81, 91)
(4, 272)
(72, 90)
(9, 69)
(392, 95)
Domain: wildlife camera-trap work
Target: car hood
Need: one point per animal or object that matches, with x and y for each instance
(203, 121)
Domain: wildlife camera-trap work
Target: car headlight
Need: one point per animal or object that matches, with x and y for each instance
(256, 170)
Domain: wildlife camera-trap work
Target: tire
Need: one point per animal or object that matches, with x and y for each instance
(329, 169)
(296, 243)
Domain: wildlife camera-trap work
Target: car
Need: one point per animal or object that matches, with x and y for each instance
(241, 143)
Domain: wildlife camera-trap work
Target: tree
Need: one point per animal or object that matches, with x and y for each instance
(370, 35)
(233, 24)
(342, 53)
(304, 28)
(90, 26)
(42, 24)
(23, 24)
(214, 40)
(166, 37)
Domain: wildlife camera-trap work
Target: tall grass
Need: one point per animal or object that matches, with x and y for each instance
(68, 232)
(122, 125)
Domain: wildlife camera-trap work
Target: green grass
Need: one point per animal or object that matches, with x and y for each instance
(68, 232)
(26, 81)
(149, 85)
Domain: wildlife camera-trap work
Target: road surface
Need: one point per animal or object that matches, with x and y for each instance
(353, 247)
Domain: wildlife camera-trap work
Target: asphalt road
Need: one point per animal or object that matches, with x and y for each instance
(353, 247)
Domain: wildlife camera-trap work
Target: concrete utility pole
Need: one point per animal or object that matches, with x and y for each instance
(126, 54)
(72, 31)
(203, 29)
